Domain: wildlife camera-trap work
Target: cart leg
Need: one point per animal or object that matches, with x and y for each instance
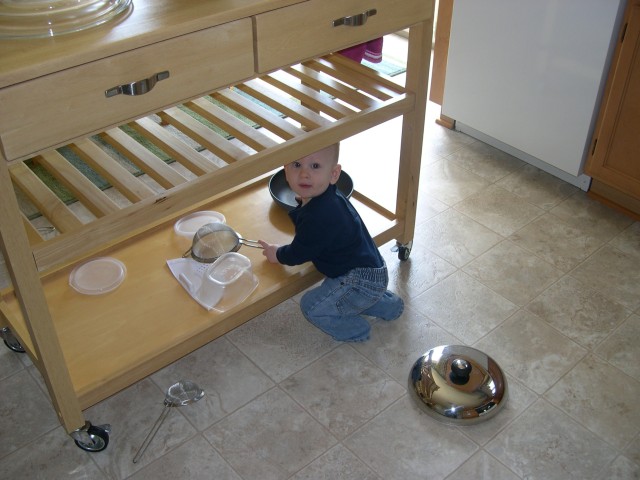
(92, 438)
(418, 61)
(10, 340)
(27, 285)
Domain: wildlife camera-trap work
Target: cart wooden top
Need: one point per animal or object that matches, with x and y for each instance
(148, 22)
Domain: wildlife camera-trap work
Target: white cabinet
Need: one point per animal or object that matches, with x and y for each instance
(526, 77)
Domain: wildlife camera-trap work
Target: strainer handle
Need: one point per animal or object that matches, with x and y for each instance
(152, 432)
(251, 243)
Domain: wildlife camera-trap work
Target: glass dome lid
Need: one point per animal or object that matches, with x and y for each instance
(458, 385)
(48, 18)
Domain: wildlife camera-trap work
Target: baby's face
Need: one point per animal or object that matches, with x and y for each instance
(311, 175)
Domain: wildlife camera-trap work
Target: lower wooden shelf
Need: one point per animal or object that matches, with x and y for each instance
(113, 340)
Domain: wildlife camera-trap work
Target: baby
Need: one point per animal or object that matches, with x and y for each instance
(330, 234)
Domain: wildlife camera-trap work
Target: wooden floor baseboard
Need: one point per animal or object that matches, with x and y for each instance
(615, 199)
(446, 122)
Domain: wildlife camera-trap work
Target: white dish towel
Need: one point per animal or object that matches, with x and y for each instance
(190, 273)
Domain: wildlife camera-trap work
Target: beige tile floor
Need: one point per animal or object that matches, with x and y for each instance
(506, 258)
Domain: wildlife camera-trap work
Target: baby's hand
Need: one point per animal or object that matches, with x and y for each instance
(269, 251)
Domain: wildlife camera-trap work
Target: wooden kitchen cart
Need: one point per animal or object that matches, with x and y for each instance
(177, 90)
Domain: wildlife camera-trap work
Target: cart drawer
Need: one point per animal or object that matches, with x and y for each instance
(305, 30)
(54, 109)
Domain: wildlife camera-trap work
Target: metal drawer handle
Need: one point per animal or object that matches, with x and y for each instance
(355, 20)
(137, 88)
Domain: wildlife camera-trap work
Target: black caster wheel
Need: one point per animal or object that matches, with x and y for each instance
(92, 439)
(11, 341)
(403, 251)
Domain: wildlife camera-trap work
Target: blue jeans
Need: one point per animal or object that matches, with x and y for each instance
(336, 306)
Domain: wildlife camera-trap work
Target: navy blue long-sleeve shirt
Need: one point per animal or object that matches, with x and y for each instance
(330, 233)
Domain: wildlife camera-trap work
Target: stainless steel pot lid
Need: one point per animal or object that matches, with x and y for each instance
(458, 385)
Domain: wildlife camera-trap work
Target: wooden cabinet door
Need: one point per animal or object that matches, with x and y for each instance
(615, 157)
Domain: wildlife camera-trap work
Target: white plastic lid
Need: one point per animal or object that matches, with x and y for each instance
(189, 225)
(98, 276)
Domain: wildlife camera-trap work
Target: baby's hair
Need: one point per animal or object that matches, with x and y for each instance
(334, 151)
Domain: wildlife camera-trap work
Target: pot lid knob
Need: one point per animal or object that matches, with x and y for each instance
(460, 371)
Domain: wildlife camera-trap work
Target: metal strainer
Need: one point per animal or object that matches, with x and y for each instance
(179, 394)
(214, 239)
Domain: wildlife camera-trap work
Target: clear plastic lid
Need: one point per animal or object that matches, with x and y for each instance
(98, 276)
(188, 226)
(48, 18)
(228, 268)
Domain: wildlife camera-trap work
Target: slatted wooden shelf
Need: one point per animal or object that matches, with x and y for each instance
(149, 159)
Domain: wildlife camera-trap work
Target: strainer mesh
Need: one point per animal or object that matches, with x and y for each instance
(212, 240)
